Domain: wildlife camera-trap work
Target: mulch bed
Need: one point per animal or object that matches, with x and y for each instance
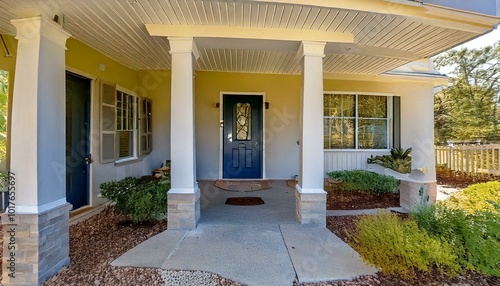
(339, 199)
(460, 180)
(96, 242)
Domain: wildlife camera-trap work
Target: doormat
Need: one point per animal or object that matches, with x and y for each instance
(244, 201)
(292, 183)
(243, 186)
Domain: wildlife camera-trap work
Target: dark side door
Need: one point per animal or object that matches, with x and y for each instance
(77, 139)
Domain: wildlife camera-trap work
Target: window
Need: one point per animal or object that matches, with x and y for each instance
(357, 121)
(126, 129)
(243, 121)
(126, 114)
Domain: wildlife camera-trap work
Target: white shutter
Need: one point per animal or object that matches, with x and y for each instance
(108, 123)
(145, 128)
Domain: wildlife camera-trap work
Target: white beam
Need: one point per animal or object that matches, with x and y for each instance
(247, 33)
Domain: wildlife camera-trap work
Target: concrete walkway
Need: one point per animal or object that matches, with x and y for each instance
(252, 245)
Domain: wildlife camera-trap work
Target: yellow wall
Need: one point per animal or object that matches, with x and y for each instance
(281, 127)
(282, 119)
(85, 59)
(155, 84)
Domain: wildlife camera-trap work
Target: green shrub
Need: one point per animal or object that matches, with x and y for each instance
(475, 198)
(400, 247)
(366, 181)
(399, 160)
(141, 201)
(475, 238)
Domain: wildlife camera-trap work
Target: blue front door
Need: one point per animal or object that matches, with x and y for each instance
(242, 141)
(77, 139)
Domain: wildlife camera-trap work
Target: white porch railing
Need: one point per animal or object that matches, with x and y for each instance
(470, 158)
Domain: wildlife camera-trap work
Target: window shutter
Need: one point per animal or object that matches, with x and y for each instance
(108, 123)
(396, 122)
(146, 136)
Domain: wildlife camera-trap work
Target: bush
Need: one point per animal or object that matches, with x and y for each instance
(475, 198)
(139, 200)
(399, 160)
(475, 238)
(400, 247)
(366, 181)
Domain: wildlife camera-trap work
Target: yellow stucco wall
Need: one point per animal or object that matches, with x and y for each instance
(282, 119)
(155, 84)
(87, 60)
(281, 126)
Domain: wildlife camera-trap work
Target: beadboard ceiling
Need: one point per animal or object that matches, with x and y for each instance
(117, 29)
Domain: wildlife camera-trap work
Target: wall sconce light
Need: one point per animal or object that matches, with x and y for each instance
(217, 105)
(266, 104)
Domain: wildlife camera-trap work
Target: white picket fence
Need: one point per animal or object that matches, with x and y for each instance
(470, 158)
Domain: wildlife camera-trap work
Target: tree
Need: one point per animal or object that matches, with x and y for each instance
(467, 109)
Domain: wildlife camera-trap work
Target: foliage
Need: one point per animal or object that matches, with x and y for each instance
(475, 238)
(366, 181)
(468, 108)
(475, 198)
(399, 160)
(139, 200)
(400, 247)
(4, 81)
(4, 179)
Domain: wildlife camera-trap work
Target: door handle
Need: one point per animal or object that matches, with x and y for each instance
(88, 159)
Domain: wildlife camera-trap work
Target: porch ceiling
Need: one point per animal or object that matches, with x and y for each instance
(383, 40)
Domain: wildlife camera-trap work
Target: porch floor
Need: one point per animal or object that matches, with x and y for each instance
(253, 245)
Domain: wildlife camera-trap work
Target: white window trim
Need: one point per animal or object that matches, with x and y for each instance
(135, 129)
(390, 119)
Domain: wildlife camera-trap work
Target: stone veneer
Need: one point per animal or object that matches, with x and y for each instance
(183, 210)
(310, 208)
(41, 245)
(409, 193)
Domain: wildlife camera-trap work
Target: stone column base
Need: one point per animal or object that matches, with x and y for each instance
(183, 209)
(310, 207)
(409, 194)
(35, 246)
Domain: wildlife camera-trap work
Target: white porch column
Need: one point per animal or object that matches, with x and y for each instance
(184, 196)
(36, 222)
(419, 107)
(310, 196)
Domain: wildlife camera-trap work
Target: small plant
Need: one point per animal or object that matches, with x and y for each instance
(475, 238)
(475, 198)
(400, 247)
(399, 160)
(141, 201)
(366, 181)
